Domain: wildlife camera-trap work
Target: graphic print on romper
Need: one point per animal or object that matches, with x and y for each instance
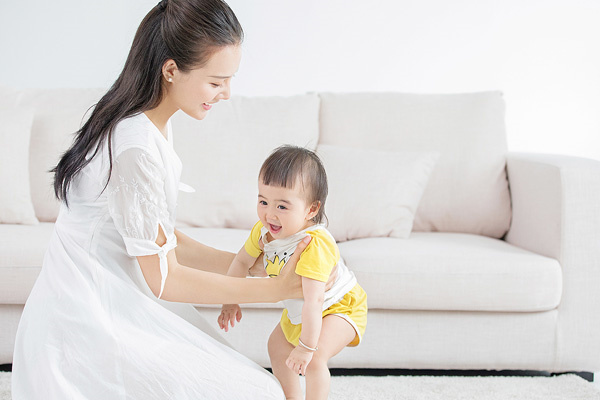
(274, 266)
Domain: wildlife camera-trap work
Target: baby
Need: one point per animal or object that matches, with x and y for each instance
(292, 188)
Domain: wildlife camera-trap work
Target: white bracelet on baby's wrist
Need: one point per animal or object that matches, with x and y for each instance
(306, 347)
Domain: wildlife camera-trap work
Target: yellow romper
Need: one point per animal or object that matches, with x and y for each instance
(346, 298)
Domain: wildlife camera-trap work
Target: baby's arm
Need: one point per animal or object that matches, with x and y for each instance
(312, 319)
(238, 268)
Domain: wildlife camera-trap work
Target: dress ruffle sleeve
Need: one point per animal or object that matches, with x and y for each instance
(138, 205)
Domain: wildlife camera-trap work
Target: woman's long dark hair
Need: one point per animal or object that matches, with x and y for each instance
(187, 31)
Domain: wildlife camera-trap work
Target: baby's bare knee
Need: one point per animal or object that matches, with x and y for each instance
(277, 346)
(317, 365)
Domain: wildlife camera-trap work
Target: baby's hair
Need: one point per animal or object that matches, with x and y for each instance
(289, 164)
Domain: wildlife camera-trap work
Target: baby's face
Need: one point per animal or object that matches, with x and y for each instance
(283, 211)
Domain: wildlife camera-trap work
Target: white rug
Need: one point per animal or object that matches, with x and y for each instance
(563, 387)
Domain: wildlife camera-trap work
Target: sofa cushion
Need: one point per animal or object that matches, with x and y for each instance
(437, 271)
(452, 271)
(428, 271)
(59, 113)
(468, 189)
(373, 193)
(22, 249)
(222, 154)
(15, 198)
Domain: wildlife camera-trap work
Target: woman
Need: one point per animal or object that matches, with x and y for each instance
(93, 326)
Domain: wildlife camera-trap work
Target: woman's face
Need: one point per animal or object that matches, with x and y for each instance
(195, 91)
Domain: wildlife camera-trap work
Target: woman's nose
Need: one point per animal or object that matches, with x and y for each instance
(226, 92)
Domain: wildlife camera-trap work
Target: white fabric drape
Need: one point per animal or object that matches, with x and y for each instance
(91, 328)
(138, 206)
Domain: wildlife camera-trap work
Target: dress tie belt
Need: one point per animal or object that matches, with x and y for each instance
(164, 265)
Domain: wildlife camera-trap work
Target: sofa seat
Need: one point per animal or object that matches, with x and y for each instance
(436, 271)
(453, 272)
(429, 271)
(22, 249)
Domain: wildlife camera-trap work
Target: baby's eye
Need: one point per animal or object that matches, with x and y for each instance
(262, 202)
(216, 85)
(282, 207)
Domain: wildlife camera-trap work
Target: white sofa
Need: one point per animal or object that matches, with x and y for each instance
(501, 270)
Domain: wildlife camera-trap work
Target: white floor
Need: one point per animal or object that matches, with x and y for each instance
(523, 387)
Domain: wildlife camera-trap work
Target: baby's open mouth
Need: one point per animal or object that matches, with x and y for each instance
(275, 228)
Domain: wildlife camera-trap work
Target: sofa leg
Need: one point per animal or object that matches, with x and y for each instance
(588, 376)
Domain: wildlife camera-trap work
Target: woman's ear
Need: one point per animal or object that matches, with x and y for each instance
(313, 210)
(170, 70)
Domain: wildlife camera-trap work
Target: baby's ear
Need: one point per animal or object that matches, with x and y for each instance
(314, 210)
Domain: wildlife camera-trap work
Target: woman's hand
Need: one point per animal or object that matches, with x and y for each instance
(299, 359)
(293, 282)
(288, 280)
(258, 269)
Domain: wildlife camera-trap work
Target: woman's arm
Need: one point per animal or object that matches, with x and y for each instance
(194, 254)
(189, 285)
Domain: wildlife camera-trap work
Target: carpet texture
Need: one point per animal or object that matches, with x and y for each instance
(563, 387)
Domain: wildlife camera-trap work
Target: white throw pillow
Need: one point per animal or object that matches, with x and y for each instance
(374, 193)
(59, 113)
(15, 198)
(222, 154)
(468, 189)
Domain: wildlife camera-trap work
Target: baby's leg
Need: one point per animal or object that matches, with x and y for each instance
(279, 350)
(336, 333)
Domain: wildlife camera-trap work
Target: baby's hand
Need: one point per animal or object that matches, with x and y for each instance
(299, 359)
(229, 314)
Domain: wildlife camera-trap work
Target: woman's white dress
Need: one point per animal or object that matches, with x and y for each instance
(91, 328)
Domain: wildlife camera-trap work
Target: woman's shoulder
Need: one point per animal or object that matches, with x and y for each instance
(136, 131)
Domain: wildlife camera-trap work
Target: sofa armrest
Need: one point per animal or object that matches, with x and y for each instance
(555, 203)
(556, 213)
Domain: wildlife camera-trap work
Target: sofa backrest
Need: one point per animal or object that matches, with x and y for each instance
(58, 114)
(222, 154)
(468, 189)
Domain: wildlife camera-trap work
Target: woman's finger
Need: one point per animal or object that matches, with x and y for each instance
(332, 278)
(288, 276)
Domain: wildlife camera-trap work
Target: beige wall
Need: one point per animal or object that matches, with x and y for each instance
(540, 53)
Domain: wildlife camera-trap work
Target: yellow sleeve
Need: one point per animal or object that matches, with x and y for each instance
(319, 258)
(251, 245)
